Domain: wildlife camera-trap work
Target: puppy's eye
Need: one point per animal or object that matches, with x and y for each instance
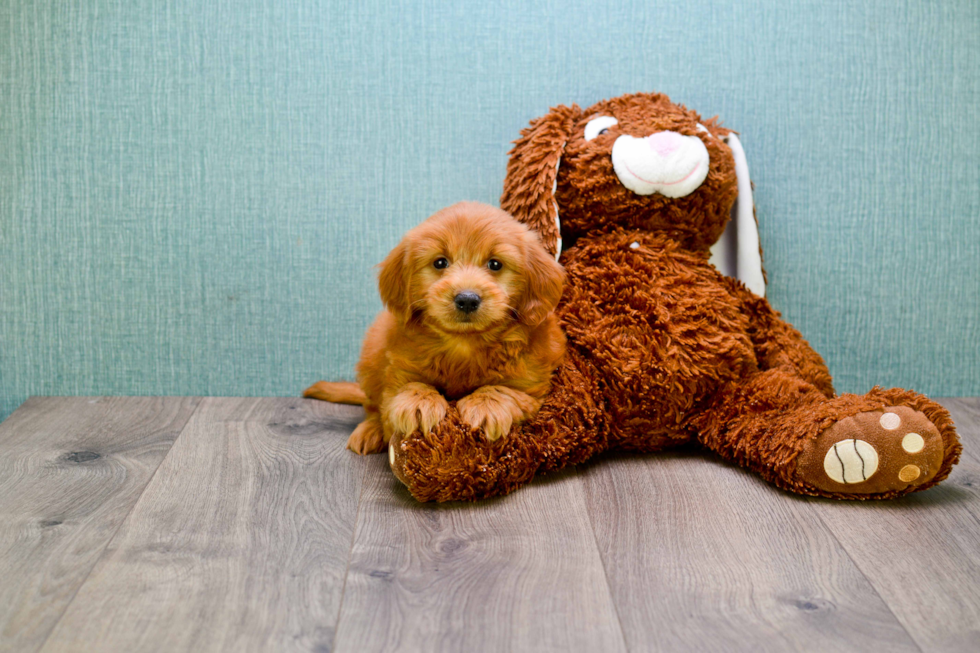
(441, 263)
(494, 264)
(598, 126)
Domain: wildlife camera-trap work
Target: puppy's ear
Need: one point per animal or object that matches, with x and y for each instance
(394, 281)
(544, 279)
(532, 173)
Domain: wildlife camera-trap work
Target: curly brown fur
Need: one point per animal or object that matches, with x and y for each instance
(454, 462)
(663, 349)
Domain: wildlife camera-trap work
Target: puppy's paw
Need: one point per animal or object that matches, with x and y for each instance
(416, 406)
(367, 438)
(495, 409)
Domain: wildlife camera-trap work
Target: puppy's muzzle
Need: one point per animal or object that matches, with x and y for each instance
(467, 301)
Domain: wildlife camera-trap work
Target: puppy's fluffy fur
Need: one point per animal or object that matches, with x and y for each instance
(430, 346)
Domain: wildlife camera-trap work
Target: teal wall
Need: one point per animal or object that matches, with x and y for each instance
(193, 194)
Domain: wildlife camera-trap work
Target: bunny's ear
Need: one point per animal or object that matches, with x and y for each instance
(738, 253)
(532, 174)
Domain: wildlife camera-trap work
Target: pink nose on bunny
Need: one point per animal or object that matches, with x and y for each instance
(665, 143)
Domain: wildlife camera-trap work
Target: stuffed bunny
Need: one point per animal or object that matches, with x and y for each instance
(633, 195)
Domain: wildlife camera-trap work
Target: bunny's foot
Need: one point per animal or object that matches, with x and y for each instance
(895, 449)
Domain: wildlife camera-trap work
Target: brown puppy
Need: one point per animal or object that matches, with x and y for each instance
(470, 295)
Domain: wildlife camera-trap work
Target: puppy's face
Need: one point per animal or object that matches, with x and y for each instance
(470, 268)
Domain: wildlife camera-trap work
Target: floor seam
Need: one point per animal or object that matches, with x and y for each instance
(602, 561)
(105, 547)
(874, 589)
(350, 553)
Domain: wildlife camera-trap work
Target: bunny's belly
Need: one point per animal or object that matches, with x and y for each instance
(661, 331)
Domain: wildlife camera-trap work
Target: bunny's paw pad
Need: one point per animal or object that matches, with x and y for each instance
(879, 451)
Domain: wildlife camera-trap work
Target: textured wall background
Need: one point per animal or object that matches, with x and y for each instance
(192, 194)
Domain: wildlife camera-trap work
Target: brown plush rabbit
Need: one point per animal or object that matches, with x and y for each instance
(663, 348)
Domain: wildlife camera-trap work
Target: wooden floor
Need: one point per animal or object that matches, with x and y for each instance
(188, 524)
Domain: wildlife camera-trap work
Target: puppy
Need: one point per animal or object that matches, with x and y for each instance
(470, 295)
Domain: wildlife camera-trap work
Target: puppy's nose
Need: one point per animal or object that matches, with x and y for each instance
(467, 301)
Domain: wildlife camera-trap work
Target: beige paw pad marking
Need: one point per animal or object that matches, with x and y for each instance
(851, 461)
(890, 421)
(913, 443)
(909, 473)
(391, 455)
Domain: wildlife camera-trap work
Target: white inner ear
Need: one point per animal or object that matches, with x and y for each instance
(554, 191)
(702, 128)
(736, 254)
(596, 125)
(723, 251)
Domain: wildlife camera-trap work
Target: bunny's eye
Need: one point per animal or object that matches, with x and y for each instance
(598, 126)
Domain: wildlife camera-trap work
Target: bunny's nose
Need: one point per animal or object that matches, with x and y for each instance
(665, 143)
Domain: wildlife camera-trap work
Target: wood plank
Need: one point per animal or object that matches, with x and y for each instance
(518, 573)
(240, 542)
(703, 556)
(922, 552)
(71, 469)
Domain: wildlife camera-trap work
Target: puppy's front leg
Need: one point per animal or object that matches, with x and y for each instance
(495, 408)
(368, 437)
(415, 406)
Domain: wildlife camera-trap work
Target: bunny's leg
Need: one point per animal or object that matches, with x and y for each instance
(786, 423)
(778, 344)
(880, 445)
(454, 462)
